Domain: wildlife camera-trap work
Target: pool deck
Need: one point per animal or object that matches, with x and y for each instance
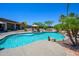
(2, 35)
(38, 48)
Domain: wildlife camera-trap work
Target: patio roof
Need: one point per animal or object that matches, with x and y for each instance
(7, 20)
(34, 25)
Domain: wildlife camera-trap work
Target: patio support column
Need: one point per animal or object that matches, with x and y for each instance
(20, 27)
(5, 27)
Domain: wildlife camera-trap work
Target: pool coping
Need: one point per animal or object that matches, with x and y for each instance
(2, 35)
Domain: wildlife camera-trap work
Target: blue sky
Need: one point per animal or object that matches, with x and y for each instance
(31, 12)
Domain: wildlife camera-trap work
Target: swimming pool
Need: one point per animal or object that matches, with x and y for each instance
(16, 40)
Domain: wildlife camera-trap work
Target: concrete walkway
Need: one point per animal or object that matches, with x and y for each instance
(38, 48)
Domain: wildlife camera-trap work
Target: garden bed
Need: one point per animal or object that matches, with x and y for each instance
(72, 50)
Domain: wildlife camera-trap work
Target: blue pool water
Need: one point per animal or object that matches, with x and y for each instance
(17, 40)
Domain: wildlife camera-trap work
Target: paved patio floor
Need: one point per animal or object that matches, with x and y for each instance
(38, 48)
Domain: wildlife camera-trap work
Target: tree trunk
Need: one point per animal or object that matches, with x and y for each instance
(73, 33)
(70, 36)
(38, 29)
(76, 41)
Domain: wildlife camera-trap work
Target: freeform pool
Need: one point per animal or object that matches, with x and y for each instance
(17, 40)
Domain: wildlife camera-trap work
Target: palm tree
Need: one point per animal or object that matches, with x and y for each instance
(74, 21)
(72, 15)
(67, 8)
(69, 24)
(75, 27)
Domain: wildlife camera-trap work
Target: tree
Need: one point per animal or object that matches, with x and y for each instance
(39, 25)
(45, 26)
(71, 25)
(58, 27)
(48, 23)
(25, 26)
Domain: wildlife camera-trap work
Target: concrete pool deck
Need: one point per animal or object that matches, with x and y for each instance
(2, 35)
(38, 48)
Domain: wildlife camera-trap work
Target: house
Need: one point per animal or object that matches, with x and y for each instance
(9, 25)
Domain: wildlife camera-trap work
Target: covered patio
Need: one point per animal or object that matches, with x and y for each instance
(8, 25)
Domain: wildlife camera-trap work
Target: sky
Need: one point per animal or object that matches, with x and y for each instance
(35, 12)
